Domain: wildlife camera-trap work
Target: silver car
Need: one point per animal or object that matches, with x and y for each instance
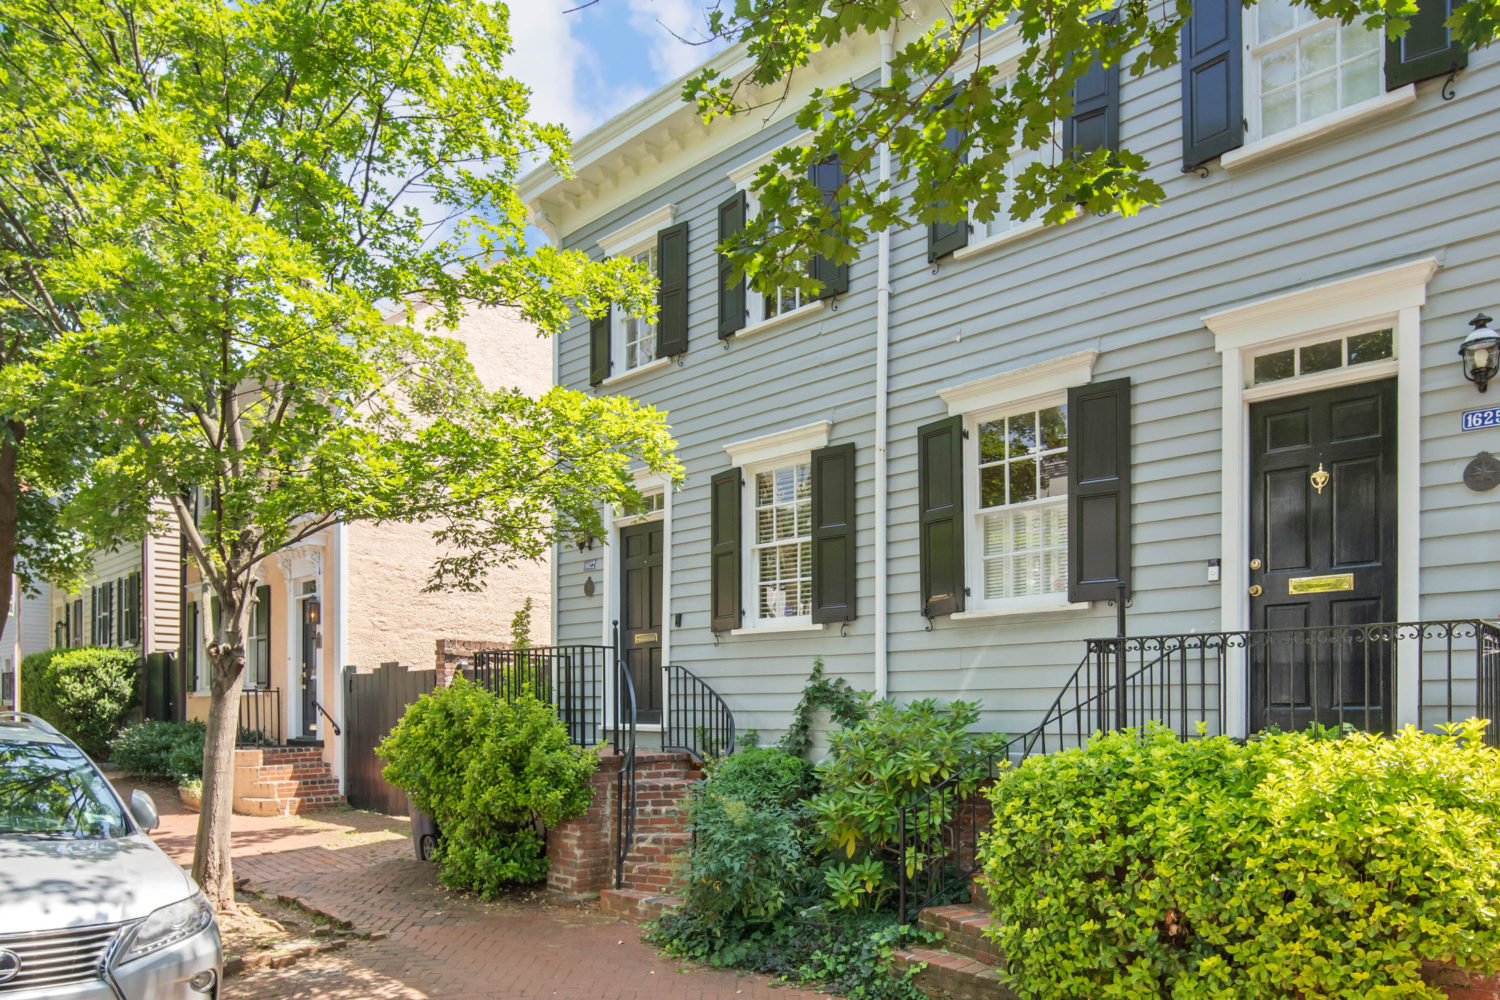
(89, 906)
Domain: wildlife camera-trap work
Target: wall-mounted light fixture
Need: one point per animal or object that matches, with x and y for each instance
(1481, 352)
(312, 611)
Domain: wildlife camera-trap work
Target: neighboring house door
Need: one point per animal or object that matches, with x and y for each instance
(640, 616)
(309, 668)
(1328, 556)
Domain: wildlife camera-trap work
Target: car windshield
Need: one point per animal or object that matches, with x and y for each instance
(51, 789)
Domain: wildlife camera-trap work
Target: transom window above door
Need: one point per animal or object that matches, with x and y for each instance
(1322, 356)
(1022, 509)
(1302, 67)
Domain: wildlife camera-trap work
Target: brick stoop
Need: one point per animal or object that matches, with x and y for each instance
(635, 905)
(283, 781)
(946, 976)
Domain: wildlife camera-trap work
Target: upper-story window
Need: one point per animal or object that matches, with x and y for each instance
(620, 343)
(1302, 67)
(780, 507)
(1020, 160)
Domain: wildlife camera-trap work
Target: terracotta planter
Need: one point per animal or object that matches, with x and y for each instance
(192, 798)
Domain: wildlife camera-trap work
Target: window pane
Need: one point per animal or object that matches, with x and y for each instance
(764, 487)
(1271, 367)
(1318, 51)
(1369, 347)
(1022, 480)
(1022, 434)
(765, 524)
(1322, 357)
(1274, 17)
(1278, 111)
(992, 441)
(1320, 96)
(1054, 473)
(992, 486)
(1278, 69)
(1361, 80)
(1054, 432)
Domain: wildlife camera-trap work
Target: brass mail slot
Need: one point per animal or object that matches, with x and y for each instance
(1320, 584)
(646, 637)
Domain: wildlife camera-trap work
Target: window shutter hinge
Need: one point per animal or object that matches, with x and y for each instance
(965, 433)
(967, 592)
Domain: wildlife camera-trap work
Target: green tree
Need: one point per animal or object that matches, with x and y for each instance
(951, 122)
(233, 195)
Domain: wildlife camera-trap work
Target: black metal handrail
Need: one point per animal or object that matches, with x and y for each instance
(937, 836)
(571, 678)
(625, 777)
(698, 721)
(324, 713)
(259, 718)
(1180, 681)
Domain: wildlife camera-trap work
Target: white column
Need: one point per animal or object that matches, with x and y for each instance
(1234, 552)
(340, 657)
(1408, 665)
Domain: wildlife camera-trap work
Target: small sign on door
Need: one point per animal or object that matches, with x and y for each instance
(1320, 584)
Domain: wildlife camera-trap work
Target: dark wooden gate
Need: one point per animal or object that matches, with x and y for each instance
(373, 704)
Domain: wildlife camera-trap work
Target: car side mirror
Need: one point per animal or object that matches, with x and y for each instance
(144, 811)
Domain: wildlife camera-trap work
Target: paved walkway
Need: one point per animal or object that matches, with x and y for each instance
(439, 945)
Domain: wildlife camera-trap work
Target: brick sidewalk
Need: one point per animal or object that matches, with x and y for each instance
(441, 945)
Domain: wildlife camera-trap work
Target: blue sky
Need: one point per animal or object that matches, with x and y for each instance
(586, 64)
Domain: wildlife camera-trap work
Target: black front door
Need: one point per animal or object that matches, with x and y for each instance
(640, 616)
(309, 669)
(1323, 554)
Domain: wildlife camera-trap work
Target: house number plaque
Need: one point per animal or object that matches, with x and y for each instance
(1320, 584)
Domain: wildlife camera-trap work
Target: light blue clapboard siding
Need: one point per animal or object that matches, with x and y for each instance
(1418, 182)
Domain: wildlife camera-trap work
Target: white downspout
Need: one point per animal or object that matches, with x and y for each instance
(882, 376)
(340, 595)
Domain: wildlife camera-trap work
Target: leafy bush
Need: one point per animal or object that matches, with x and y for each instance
(492, 773)
(84, 692)
(845, 707)
(753, 848)
(879, 766)
(842, 953)
(160, 750)
(1291, 865)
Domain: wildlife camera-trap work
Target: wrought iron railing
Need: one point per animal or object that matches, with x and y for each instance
(259, 721)
(697, 720)
(1331, 676)
(625, 777)
(318, 706)
(572, 678)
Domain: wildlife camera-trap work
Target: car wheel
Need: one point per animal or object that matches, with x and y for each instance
(428, 846)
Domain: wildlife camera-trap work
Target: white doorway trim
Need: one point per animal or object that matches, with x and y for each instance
(1390, 296)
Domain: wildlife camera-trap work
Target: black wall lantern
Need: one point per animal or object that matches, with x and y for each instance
(1481, 352)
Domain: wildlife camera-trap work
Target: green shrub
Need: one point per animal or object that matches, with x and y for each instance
(84, 692)
(1294, 865)
(882, 764)
(493, 774)
(753, 850)
(160, 750)
(36, 684)
(842, 953)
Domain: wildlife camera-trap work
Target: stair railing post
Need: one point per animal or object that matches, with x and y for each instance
(1121, 706)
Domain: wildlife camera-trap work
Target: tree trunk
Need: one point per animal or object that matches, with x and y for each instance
(212, 866)
(10, 492)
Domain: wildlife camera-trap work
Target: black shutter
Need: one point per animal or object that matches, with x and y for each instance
(1099, 494)
(940, 472)
(833, 535)
(121, 608)
(731, 294)
(599, 348)
(833, 278)
(724, 552)
(1213, 114)
(945, 237)
(1095, 121)
(672, 290)
(1428, 48)
(93, 616)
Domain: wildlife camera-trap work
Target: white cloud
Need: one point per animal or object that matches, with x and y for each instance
(669, 26)
(547, 59)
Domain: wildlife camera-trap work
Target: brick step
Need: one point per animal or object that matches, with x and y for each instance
(657, 844)
(979, 894)
(962, 927)
(946, 976)
(635, 905)
(252, 805)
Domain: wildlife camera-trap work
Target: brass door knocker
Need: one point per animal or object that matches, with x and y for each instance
(1320, 479)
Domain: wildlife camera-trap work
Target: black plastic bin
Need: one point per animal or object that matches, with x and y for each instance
(424, 832)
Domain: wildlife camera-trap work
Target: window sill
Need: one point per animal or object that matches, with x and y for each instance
(650, 366)
(775, 321)
(1309, 132)
(999, 240)
(771, 627)
(1024, 606)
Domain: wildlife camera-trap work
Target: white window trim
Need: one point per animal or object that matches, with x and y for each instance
(1020, 385)
(744, 175)
(998, 240)
(779, 447)
(630, 373)
(768, 626)
(977, 605)
(1390, 296)
(781, 319)
(1312, 131)
(632, 236)
(749, 578)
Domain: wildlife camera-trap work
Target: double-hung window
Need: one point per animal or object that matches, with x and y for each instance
(780, 510)
(1302, 67)
(1021, 518)
(258, 642)
(620, 343)
(635, 347)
